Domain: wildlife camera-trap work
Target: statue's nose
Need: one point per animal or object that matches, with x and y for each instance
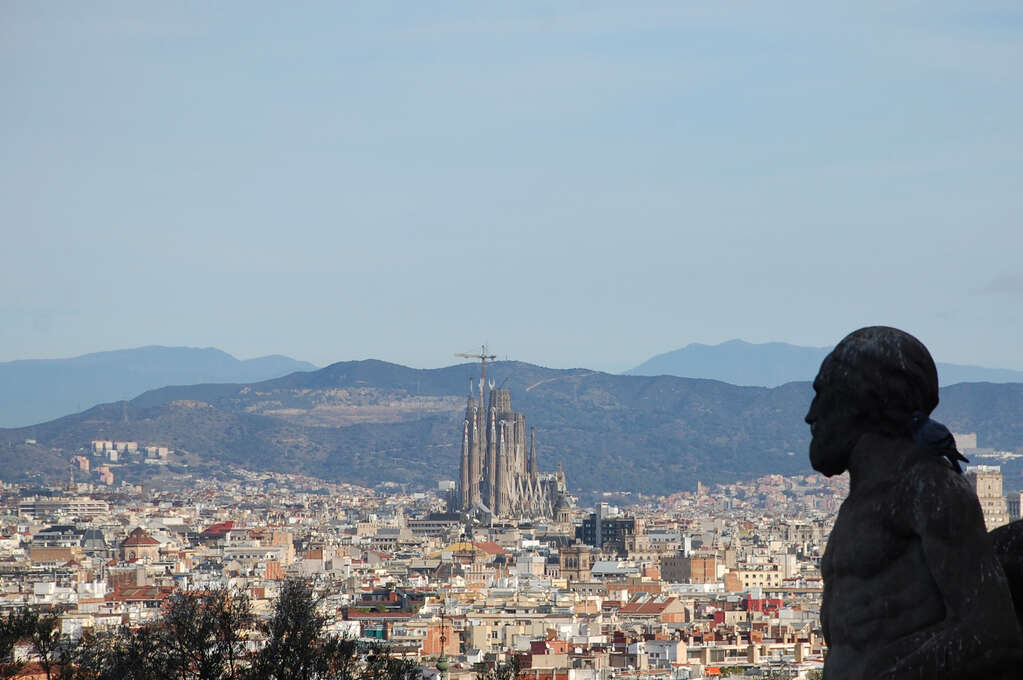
(810, 415)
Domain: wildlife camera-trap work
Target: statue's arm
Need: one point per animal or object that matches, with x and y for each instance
(979, 629)
(826, 597)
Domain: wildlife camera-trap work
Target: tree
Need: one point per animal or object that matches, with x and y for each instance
(127, 654)
(202, 633)
(508, 670)
(298, 645)
(44, 635)
(13, 627)
(380, 665)
(780, 674)
(293, 646)
(89, 658)
(201, 637)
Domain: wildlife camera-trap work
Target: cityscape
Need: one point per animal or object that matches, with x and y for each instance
(721, 580)
(511, 341)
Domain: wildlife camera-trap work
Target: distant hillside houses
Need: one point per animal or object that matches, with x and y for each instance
(113, 450)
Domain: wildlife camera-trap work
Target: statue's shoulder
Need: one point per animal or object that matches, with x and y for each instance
(931, 472)
(941, 498)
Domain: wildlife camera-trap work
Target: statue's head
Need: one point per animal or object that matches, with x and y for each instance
(873, 381)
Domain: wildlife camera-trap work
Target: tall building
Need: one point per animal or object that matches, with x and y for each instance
(607, 530)
(1014, 501)
(576, 561)
(499, 472)
(987, 482)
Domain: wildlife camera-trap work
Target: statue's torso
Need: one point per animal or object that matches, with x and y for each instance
(878, 588)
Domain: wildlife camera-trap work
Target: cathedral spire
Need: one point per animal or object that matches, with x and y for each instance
(533, 471)
(464, 482)
(500, 467)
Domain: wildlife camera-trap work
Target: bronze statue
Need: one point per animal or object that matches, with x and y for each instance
(912, 587)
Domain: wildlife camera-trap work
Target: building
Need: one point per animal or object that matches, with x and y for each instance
(738, 580)
(78, 506)
(576, 562)
(697, 568)
(56, 544)
(964, 441)
(499, 471)
(986, 481)
(608, 531)
(435, 524)
(140, 546)
(1014, 503)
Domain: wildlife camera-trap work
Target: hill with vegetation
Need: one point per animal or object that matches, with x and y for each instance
(369, 421)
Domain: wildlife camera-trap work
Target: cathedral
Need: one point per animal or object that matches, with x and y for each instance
(499, 473)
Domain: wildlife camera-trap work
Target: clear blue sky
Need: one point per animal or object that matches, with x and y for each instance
(574, 183)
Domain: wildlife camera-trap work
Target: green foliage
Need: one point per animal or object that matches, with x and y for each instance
(13, 628)
(140, 654)
(382, 666)
(296, 646)
(780, 674)
(42, 631)
(508, 670)
(649, 434)
(205, 636)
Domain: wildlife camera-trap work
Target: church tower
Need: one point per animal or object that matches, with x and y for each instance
(499, 471)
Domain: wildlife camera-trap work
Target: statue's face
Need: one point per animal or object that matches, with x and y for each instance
(832, 426)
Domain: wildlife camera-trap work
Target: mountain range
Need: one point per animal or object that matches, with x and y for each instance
(771, 364)
(38, 390)
(370, 421)
(35, 390)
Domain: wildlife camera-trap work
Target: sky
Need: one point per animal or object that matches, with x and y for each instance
(576, 184)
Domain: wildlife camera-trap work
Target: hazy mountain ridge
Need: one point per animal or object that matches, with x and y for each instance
(994, 411)
(651, 434)
(34, 390)
(771, 364)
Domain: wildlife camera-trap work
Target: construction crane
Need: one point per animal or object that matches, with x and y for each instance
(482, 356)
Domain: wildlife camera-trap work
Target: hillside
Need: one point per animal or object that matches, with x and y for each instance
(35, 390)
(371, 421)
(771, 364)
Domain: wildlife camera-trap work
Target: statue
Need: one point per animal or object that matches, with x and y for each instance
(912, 587)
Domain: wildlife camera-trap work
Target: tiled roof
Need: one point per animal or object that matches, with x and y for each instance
(649, 607)
(218, 528)
(138, 537)
(491, 548)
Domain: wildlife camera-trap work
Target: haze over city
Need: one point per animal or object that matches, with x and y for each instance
(577, 185)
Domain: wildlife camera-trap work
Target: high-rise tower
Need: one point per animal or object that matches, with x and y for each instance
(986, 480)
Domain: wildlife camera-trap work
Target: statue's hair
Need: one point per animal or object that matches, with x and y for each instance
(884, 375)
